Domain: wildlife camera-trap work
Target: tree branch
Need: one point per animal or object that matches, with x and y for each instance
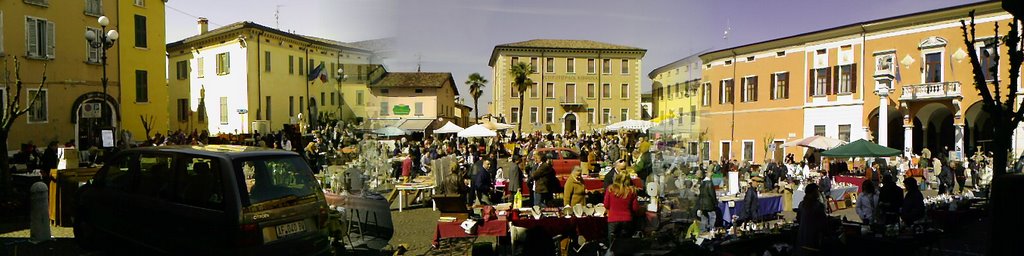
(979, 78)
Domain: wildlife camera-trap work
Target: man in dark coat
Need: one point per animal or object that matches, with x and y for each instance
(514, 174)
(544, 181)
(890, 201)
(483, 182)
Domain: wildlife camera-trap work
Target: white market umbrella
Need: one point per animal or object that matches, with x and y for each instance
(477, 130)
(631, 125)
(390, 131)
(497, 126)
(818, 142)
(449, 128)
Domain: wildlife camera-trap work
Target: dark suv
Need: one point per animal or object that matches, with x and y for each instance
(189, 200)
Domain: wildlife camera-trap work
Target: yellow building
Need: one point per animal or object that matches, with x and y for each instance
(832, 82)
(414, 100)
(142, 66)
(258, 78)
(579, 85)
(676, 101)
(72, 105)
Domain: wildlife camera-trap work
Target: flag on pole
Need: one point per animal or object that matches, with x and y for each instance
(317, 72)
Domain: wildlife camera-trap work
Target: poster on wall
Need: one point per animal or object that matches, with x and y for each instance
(108, 138)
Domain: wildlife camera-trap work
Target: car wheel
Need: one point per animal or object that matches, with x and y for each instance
(85, 231)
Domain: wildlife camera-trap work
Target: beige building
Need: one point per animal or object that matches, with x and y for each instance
(414, 101)
(579, 85)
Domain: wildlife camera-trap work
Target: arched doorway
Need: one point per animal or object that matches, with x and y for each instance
(933, 129)
(894, 127)
(569, 123)
(92, 113)
(978, 130)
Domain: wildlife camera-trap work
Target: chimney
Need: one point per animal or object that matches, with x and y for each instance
(204, 25)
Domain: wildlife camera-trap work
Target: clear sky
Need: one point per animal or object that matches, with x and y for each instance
(458, 35)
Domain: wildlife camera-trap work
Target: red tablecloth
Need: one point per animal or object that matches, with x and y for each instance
(453, 230)
(591, 228)
(855, 180)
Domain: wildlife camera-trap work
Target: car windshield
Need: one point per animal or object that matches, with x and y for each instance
(269, 179)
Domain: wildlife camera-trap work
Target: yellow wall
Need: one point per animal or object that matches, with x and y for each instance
(150, 59)
(672, 102)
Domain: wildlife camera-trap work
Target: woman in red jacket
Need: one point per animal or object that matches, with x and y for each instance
(620, 202)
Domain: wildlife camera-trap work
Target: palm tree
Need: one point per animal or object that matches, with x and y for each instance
(519, 73)
(476, 84)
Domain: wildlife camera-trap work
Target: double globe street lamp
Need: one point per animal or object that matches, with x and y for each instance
(103, 41)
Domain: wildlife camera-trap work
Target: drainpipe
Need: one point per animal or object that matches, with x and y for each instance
(259, 80)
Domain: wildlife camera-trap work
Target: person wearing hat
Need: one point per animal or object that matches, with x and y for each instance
(751, 206)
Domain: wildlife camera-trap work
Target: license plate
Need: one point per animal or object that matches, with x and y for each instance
(290, 228)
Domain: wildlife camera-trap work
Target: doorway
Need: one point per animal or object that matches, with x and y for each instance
(570, 122)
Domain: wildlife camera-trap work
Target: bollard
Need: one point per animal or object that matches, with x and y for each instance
(39, 216)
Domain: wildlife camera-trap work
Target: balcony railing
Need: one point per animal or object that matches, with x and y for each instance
(570, 101)
(931, 91)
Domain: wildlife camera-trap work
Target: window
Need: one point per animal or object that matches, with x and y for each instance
(692, 148)
(606, 66)
(267, 109)
(223, 110)
(780, 86)
(606, 91)
(748, 151)
(533, 90)
(549, 115)
(625, 67)
(725, 94)
(570, 93)
(199, 67)
(333, 100)
(749, 93)
(624, 114)
(140, 31)
(844, 132)
(419, 108)
(266, 61)
(606, 114)
(590, 115)
(199, 181)
(533, 115)
(706, 94)
(570, 65)
(383, 108)
(38, 111)
(819, 130)
(155, 177)
(693, 113)
(679, 93)
(223, 63)
(141, 86)
(549, 91)
(780, 53)
(515, 115)
(987, 53)
(728, 62)
(140, 3)
(549, 65)
(933, 67)
(268, 179)
(591, 66)
(624, 91)
(39, 38)
(534, 66)
(821, 84)
(514, 61)
(291, 64)
(323, 101)
(183, 110)
(847, 79)
(92, 53)
(291, 105)
(515, 91)
(705, 151)
(301, 70)
(181, 69)
(726, 150)
(118, 176)
(359, 98)
(591, 91)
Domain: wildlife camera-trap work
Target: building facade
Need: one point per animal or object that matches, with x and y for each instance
(72, 105)
(414, 101)
(251, 77)
(676, 101)
(144, 96)
(578, 85)
(834, 82)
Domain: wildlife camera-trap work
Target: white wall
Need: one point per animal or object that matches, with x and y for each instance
(232, 85)
(834, 116)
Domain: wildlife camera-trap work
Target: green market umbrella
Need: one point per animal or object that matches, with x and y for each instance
(861, 148)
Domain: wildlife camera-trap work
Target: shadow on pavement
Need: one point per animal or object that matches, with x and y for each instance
(57, 246)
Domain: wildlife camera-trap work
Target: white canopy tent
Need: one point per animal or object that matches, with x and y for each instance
(449, 128)
(630, 125)
(477, 131)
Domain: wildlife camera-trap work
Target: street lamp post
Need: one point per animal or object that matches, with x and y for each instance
(103, 41)
(341, 104)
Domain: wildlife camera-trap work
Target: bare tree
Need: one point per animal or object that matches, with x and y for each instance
(147, 124)
(1005, 112)
(12, 110)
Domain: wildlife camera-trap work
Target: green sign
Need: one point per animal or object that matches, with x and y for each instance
(400, 109)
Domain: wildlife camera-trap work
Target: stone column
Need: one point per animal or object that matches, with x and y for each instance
(959, 138)
(908, 139)
(883, 115)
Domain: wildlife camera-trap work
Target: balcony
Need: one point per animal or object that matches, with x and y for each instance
(570, 101)
(944, 90)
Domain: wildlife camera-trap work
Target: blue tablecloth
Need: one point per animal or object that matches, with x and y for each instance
(836, 193)
(769, 205)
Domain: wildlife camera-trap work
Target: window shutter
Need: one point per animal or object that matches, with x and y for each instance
(830, 84)
(31, 37)
(810, 81)
(836, 73)
(773, 87)
(721, 92)
(785, 91)
(50, 36)
(743, 89)
(755, 88)
(853, 78)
